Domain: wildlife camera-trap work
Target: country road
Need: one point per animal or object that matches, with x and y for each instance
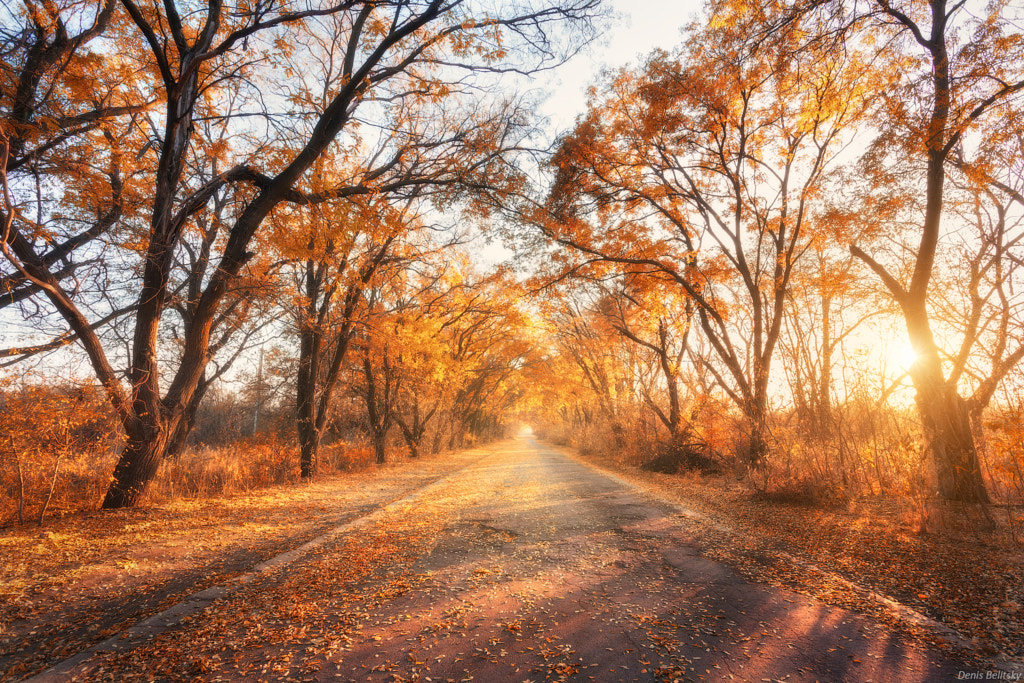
(526, 565)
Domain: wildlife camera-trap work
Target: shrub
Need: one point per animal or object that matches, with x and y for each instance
(55, 439)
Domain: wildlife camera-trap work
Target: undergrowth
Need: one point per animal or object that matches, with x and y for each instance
(863, 451)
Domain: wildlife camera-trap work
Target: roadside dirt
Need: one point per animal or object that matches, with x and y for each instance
(969, 581)
(523, 565)
(74, 582)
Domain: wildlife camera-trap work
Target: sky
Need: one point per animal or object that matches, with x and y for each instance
(637, 27)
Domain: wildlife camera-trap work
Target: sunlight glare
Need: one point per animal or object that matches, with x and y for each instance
(903, 355)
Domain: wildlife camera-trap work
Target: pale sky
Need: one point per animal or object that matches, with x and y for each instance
(639, 27)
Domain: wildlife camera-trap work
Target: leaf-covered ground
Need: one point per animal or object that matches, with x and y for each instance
(969, 580)
(73, 582)
(521, 566)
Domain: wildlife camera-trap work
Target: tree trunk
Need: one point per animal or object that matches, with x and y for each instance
(947, 427)
(310, 342)
(309, 447)
(378, 448)
(176, 444)
(945, 416)
(756, 453)
(412, 434)
(823, 409)
(305, 424)
(757, 445)
(137, 466)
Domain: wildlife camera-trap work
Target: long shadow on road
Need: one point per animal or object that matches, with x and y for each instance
(557, 571)
(525, 566)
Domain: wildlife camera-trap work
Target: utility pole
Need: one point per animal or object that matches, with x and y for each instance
(259, 393)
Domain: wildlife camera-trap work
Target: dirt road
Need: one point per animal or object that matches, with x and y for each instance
(524, 566)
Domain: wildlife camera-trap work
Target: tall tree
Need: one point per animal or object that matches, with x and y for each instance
(955, 69)
(704, 168)
(659, 323)
(385, 53)
(341, 254)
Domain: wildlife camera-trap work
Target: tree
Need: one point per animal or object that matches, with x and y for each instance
(587, 339)
(379, 391)
(828, 304)
(484, 335)
(982, 310)
(420, 330)
(704, 168)
(384, 53)
(658, 322)
(67, 120)
(343, 252)
(955, 71)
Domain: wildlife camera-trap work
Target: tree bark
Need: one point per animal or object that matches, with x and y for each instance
(378, 406)
(176, 445)
(946, 421)
(947, 426)
(310, 341)
(139, 461)
(380, 453)
(823, 409)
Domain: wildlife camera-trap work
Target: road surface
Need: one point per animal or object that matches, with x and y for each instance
(524, 566)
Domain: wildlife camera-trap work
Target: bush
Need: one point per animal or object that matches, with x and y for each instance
(243, 466)
(55, 439)
(344, 457)
(805, 492)
(682, 457)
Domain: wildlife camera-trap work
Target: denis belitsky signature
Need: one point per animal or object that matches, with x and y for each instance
(988, 676)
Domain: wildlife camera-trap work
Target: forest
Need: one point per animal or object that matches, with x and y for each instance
(239, 246)
(250, 244)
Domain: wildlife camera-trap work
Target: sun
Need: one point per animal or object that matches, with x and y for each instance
(903, 355)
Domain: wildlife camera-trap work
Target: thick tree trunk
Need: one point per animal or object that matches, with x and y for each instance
(310, 342)
(947, 427)
(138, 464)
(945, 416)
(755, 409)
(757, 444)
(305, 424)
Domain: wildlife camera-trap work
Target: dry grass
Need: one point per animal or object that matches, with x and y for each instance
(866, 451)
(47, 483)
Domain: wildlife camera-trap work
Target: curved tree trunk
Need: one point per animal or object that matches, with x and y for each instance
(138, 464)
(176, 444)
